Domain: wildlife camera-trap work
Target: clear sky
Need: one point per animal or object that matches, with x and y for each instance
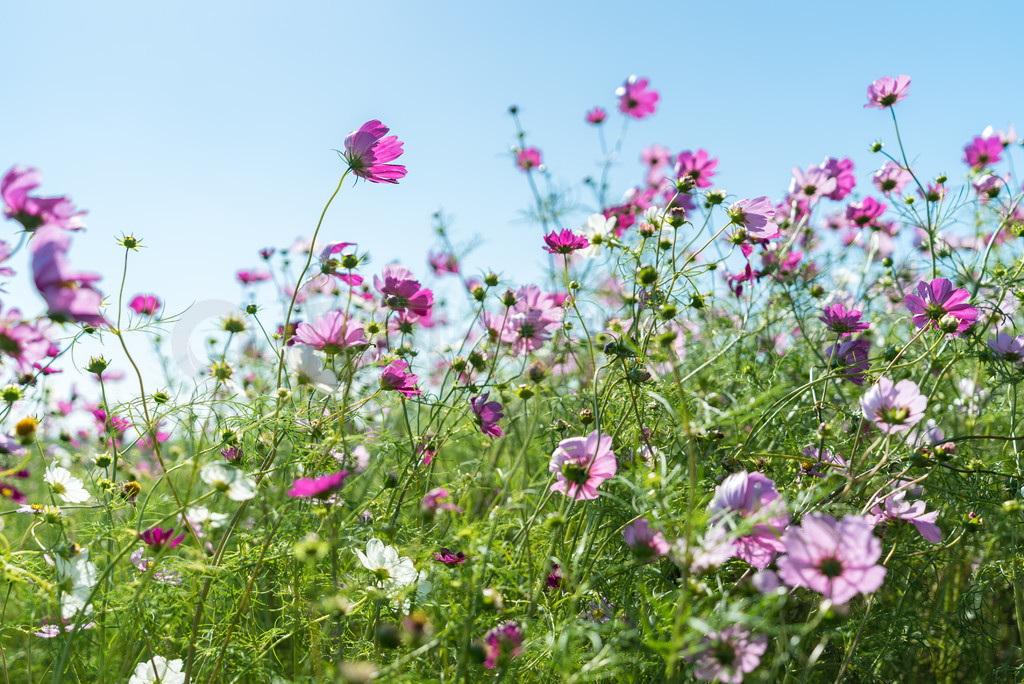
(207, 128)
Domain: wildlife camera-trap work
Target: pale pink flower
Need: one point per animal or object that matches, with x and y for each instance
(68, 293)
(891, 178)
(894, 408)
(887, 91)
(897, 508)
(727, 655)
(647, 543)
(581, 464)
(33, 212)
(331, 333)
(753, 497)
(756, 216)
(811, 185)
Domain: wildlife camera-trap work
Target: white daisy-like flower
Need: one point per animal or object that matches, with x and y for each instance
(236, 484)
(308, 365)
(598, 230)
(383, 561)
(68, 487)
(77, 577)
(159, 669)
(202, 514)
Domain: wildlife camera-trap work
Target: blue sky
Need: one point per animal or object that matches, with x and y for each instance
(207, 128)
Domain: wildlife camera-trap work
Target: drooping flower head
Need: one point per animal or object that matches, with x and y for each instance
(836, 559)
(504, 642)
(756, 216)
(894, 408)
(896, 508)
(158, 539)
(318, 487)
(581, 464)
(397, 377)
(33, 212)
(69, 294)
(488, 413)
(937, 304)
(887, 91)
(367, 152)
(727, 655)
(851, 357)
(751, 496)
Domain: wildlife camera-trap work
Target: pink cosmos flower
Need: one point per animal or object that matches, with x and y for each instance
(756, 216)
(581, 464)
(646, 543)
(811, 185)
(158, 539)
(33, 212)
(887, 91)
(488, 413)
(9, 491)
(22, 341)
(442, 262)
(396, 376)
(635, 99)
(331, 333)
(449, 557)
(530, 322)
(528, 159)
(318, 488)
(842, 171)
(988, 186)
(256, 275)
(144, 304)
(437, 500)
(728, 655)
(939, 305)
(835, 559)
(504, 642)
(696, 165)
(565, 242)
(68, 293)
(896, 508)
(751, 496)
(402, 292)
(982, 152)
(864, 213)
(891, 178)
(851, 356)
(894, 408)
(655, 156)
(367, 152)
(843, 322)
(1008, 348)
(596, 116)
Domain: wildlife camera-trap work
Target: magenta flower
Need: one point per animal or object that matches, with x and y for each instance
(256, 275)
(402, 292)
(504, 642)
(938, 304)
(646, 543)
(396, 376)
(565, 242)
(21, 341)
(836, 559)
(751, 496)
(318, 488)
(9, 491)
(596, 116)
(842, 171)
(158, 539)
(850, 356)
(698, 166)
(896, 508)
(69, 294)
(1007, 348)
(727, 655)
(891, 178)
(811, 185)
(367, 152)
(555, 577)
(756, 216)
(33, 212)
(488, 413)
(982, 152)
(894, 408)
(442, 262)
(530, 322)
(887, 91)
(331, 333)
(843, 322)
(144, 304)
(527, 159)
(449, 557)
(635, 99)
(437, 500)
(865, 213)
(581, 464)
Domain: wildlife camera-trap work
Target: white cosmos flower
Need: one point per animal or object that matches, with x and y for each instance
(77, 577)
(597, 226)
(384, 562)
(308, 364)
(68, 487)
(237, 485)
(159, 669)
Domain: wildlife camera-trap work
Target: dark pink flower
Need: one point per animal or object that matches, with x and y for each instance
(983, 152)
(751, 497)
(864, 213)
(891, 178)
(331, 333)
(9, 491)
(756, 216)
(728, 655)
(144, 304)
(367, 152)
(581, 464)
(887, 91)
(836, 559)
(157, 538)
(256, 275)
(396, 377)
(843, 322)
(635, 99)
(647, 543)
(597, 115)
(565, 242)
(449, 557)
(402, 292)
(698, 166)
(528, 159)
(851, 357)
(33, 212)
(504, 642)
(318, 488)
(68, 293)
(488, 413)
(842, 171)
(939, 305)
(442, 262)
(896, 508)
(555, 577)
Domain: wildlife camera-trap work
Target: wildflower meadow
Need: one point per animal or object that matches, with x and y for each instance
(721, 438)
